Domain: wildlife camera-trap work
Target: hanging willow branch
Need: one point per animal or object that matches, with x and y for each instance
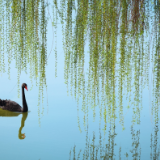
(23, 37)
(117, 34)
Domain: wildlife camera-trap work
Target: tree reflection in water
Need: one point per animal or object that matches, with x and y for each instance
(106, 151)
(155, 149)
(96, 151)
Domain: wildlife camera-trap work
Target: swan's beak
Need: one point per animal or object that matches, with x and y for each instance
(26, 88)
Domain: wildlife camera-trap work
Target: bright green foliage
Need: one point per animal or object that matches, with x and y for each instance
(123, 38)
(117, 33)
(23, 37)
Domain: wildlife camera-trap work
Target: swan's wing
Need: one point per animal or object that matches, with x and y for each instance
(11, 106)
(2, 103)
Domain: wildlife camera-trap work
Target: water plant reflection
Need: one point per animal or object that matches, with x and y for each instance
(97, 147)
(155, 149)
(5, 113)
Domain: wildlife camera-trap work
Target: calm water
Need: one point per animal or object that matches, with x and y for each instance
(57, 130)
(53, 133)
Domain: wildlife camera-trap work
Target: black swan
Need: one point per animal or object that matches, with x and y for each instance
(13, 106)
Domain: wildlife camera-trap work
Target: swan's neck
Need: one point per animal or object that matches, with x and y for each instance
(24, 103)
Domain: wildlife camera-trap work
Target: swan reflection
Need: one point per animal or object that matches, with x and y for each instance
(5, 113)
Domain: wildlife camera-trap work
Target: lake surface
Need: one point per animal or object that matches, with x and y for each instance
(58, 129)
(52, 131)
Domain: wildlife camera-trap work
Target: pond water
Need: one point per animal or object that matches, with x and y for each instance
(52, 131)
(54, 134)
(59, 130)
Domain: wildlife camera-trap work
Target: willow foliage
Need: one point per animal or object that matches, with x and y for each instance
(23, 37)
(123, 41)
(122, 37)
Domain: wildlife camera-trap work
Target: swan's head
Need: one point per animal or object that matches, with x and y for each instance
(24, 85)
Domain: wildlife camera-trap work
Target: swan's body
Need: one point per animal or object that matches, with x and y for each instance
(10, 106)
(13, 106)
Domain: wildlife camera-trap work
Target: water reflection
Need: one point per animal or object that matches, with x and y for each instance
(97, 151)
(106, 146)
(5, 113)
(24, 117)
(136, 149)
(155, 149)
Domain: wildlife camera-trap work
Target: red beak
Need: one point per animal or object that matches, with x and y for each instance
(26, 88)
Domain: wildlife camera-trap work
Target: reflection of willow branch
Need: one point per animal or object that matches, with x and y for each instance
(24, 117)
(93, 151)
(136, 150)
(109, 148)
(155, 152)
